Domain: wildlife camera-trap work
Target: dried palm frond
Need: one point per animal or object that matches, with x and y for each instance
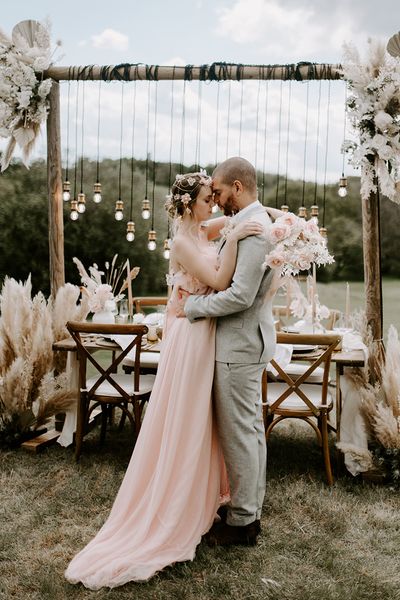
(15, 387)
(54, 396)
(132, 275)
(362, 456)
(386, 427)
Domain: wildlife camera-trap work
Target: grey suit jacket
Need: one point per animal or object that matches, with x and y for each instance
(245, 326)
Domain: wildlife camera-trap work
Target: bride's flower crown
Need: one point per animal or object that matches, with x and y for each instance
(184, 192)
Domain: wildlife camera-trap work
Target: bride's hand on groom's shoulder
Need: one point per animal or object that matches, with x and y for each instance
(243, 230)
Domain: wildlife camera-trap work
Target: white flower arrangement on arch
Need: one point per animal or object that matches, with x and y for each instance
(374, 111)
(23, 91)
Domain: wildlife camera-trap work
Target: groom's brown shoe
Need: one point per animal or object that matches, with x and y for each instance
(222, 534)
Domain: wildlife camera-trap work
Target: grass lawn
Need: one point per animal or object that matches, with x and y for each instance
(318, 543)
(333, 295)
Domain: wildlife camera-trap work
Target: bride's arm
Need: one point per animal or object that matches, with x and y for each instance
(214, 227)
(187, 254)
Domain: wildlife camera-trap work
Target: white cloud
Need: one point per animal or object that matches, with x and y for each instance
(110, 39)
(286, 33)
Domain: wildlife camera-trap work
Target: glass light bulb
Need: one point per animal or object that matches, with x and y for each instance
(146, 213)
(81, 207)
(130, 236)
(152, 245)
(166, 254)
(66, 196)
(97, 197)
(119, 215)
(215, 209)
(342, 191)
(74, 215)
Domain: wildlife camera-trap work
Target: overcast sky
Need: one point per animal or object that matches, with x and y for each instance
(204, 31)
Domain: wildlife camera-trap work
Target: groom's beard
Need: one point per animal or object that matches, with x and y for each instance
(230, 207)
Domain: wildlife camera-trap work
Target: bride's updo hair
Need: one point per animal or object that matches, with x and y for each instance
(184, 192)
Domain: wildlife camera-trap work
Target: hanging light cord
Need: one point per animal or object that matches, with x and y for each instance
(120, 143)
(326, 151)
(317, 141)
(132, 149)
(279, 143)
(198, 133)
(229, 118)
(265, 139)
(68, 106)
(257, 111)
(76, 137)
(98, 134)
(183, 125)
(344, 125)
(147, 138)
(171, 131)
(305, 146)
(287, 141)
(83, 132)
(154, 155)
(241, 117)
(217, 125)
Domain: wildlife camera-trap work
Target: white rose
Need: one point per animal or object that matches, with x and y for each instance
(383, 120)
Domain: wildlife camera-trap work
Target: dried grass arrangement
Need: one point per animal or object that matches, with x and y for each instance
(379, 386)
(30, 392)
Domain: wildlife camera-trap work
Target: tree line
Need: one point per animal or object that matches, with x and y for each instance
(97, 236)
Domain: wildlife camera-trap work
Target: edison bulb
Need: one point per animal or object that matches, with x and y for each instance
(166, 254)
(146, 213)
(66, 196)
(74, 215)
(119, 215)
(130, 236)
(97, 197)
(342, 191)
(152, 245)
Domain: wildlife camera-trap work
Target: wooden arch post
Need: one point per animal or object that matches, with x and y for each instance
(54, 186)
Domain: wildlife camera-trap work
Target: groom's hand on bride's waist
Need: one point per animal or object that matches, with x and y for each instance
(183, 295)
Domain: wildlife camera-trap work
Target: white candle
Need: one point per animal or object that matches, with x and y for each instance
(347, 306)
(314, 277)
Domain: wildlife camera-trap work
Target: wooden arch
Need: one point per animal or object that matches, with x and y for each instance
(216, 72)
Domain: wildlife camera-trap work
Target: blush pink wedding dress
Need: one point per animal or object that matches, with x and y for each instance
(176, 477)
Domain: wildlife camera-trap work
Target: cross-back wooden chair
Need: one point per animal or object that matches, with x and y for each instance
(141, 302)
(293, 398)
(108, 388)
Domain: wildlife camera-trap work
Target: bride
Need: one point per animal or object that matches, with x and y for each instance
(176, 478)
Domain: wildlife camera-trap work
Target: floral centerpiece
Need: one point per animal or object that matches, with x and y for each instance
(23, 91)
(374, 110)
(297, 244)
(103, 295)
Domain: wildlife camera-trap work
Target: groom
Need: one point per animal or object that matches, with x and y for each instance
(245, 342)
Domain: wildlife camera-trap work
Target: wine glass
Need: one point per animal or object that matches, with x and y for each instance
(124, 310)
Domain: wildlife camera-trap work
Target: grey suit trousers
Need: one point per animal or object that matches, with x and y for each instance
(238, 410)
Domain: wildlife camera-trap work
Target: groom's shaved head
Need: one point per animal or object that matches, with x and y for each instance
(237, 169)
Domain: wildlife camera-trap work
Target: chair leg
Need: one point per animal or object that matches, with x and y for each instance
(80, 426)
(325, 448)
(104, 416)
(123, 418)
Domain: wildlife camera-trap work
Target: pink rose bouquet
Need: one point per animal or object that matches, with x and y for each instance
(297, 244)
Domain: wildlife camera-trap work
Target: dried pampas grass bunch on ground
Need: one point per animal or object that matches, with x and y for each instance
(29, 392)
(379, 386)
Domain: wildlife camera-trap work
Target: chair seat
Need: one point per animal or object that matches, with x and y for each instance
(148, 360)
(296, 370)
(293, 401)
(126, 382)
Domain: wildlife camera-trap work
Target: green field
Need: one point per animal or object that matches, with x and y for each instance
(333, 295)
